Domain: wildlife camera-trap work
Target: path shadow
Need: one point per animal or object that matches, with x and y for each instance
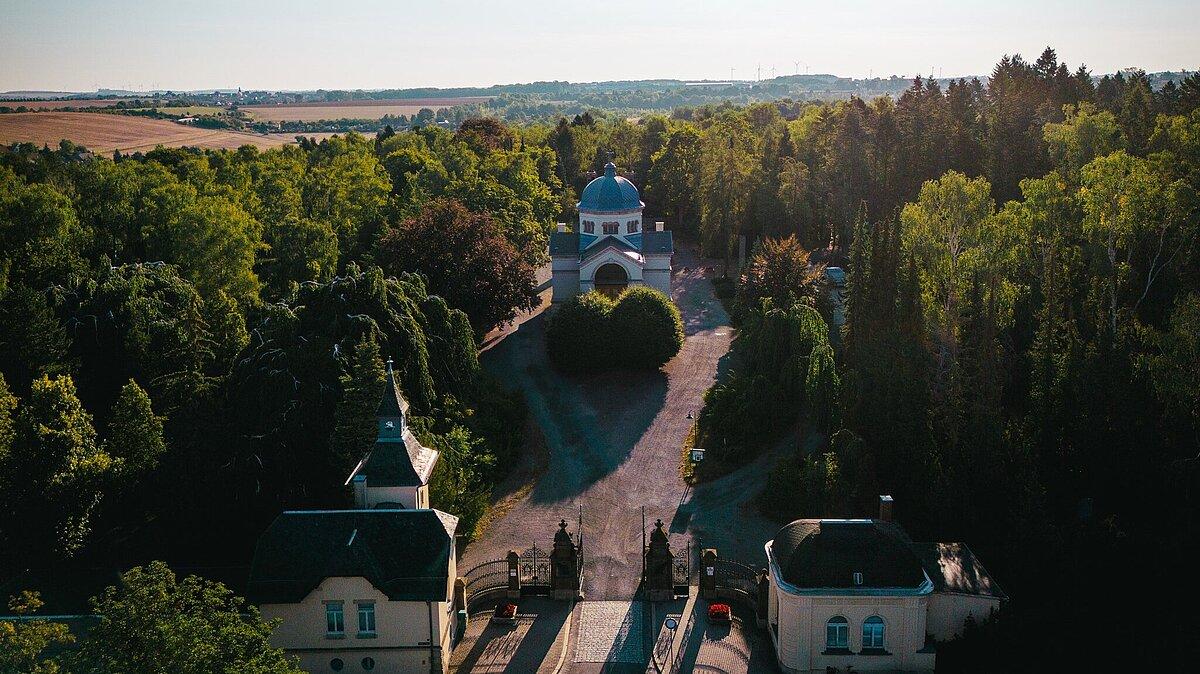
(590, 422)
(522, 647)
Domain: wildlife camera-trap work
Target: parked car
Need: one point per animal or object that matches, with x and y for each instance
(719, 614)
(506, 613)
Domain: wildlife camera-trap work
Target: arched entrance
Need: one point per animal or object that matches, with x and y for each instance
(611, 279)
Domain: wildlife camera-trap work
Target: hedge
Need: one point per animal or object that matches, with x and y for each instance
(589, 332)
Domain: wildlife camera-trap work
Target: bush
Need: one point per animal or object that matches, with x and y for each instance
(646, 327)
(642, 330)
(577, 334)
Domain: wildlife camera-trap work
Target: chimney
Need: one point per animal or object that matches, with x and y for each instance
(885, 508)
(658, 225)
(360, 492)
(562, 227)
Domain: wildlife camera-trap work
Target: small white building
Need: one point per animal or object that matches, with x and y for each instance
(611, 248)
(859, 595)
(395, 473)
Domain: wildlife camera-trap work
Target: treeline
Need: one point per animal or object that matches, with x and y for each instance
(192, 341)
(1018, 363)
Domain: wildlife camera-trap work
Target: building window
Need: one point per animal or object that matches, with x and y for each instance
(837, 634)
(611, 227)
(366, 618)
(873, 633)
(368, 663)
(633, 226)
(589, 227)
(336, 664)
(335, 619)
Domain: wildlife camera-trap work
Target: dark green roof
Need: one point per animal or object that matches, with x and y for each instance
(397, 462)
(393, 403)
(564, 243)
(827, 554)
(953, 568)
(658, 243)
(405, 554)
(610, 242)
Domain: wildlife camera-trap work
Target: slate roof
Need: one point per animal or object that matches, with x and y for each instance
(827, 553)
(609, 193)
(953, 568)
(393, 403)
(397, 462)
(612, 242)
(657, 243)
(564, 243)
(405, 554)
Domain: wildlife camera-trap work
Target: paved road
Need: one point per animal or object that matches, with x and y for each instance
(613, 442)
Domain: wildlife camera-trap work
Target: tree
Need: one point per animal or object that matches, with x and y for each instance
(725, 186)
(23, 643)
(780, 270)
(648, 328)
(675, 176)
(1085, 133)
(214, 242)
(154, 623)
(467, 261)
(56, 473)
(485, 135)
(577, 334)
(135, 435)
(354, 419)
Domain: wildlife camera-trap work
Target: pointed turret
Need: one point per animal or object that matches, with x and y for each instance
(395, 473)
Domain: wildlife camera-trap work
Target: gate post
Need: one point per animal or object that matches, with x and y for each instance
(564, 565)
(708, 574)
(764, 589)
(660, 577)
(514, 575)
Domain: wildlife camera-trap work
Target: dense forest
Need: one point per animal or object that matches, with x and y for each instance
(191, 341)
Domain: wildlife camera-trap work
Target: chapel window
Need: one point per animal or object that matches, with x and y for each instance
(633, 226)
(589, 227)
(611, 227)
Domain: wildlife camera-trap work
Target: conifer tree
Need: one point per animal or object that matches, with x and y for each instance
(354, 419)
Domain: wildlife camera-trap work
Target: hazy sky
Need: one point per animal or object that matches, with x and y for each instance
(304, 44)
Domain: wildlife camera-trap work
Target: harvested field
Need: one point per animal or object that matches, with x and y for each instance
(72, 103)
(319, 110)
(101, 132)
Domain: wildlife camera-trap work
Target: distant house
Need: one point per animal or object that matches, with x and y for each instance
(611, 248)
(861, 594)
(357, 590)
(370, 588)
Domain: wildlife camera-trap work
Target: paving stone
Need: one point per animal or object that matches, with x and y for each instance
(610, 631)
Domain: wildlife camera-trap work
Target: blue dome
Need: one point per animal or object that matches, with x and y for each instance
(610, 193)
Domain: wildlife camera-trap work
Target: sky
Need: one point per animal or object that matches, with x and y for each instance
(80, 45)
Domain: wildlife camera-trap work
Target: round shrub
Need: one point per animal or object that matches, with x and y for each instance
(577, 334)
(647, 328)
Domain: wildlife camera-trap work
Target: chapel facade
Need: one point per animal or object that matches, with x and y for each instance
(611, 248)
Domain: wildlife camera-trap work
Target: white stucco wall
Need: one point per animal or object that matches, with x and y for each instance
(800, 643)
(948, 612)
(401, 641)
(408, 497)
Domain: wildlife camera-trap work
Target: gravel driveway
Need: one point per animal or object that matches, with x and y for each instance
(613, 444)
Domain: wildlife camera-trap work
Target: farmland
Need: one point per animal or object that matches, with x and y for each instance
(358, 109)
(104, 132)
(70, 103)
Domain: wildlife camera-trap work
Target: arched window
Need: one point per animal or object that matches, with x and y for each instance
(873, 633)
(633, 226)
(837, 633)
(589, 227)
